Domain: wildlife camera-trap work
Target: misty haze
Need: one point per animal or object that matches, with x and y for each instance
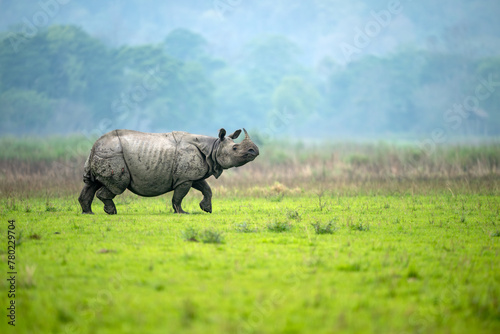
(318, 69)
(250, 166)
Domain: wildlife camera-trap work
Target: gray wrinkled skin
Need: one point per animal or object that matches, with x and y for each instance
(152, 164)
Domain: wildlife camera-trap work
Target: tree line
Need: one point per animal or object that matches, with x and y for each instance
(63, 80)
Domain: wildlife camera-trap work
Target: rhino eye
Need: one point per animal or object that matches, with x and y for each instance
(235, 147)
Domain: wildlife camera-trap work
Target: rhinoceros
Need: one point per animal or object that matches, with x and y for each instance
(152, 164)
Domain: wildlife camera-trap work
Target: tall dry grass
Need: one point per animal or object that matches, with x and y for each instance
(344, 168)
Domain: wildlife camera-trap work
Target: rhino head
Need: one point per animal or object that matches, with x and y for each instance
(230, 154)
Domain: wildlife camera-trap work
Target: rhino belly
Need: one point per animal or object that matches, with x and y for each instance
(147, 186)
(150, 160)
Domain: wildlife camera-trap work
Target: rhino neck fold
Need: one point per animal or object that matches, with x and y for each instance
(208, 147)
(215, 167)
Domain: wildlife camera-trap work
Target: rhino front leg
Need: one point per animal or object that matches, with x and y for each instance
(206, 202)
(179, 193)
(106, 196)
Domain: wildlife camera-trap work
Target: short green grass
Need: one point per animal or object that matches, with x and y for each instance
(354, 264)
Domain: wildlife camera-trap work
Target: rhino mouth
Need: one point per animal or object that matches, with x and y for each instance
(250, 155)
(246, 158)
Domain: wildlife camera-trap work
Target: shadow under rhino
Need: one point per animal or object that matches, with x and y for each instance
(152, 164)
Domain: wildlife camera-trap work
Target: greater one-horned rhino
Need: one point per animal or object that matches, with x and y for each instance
(152, 164)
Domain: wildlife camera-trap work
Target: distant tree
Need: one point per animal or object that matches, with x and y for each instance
(488, 72)
(185, 100)
(407, 92)
(235, 103)
(189, 46)
(185, 45)
(266, 62)
(141, 58)
(62, 62)
(295, 98)
(168, 93)
(82, 68)
(24, 111)
(29, 69)
(271, 58)
(64, 70)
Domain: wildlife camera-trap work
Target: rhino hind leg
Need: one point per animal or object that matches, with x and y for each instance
(179, 193)
(106, 196)
(206, 202)
(87, 196)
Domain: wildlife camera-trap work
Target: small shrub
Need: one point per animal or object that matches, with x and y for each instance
(277, 198)
(412, 273)
(190, 234)
(360, 227)
(293, 214)
(325, 228)
(279, 226)
(211, 236)
(279, 188)
(350, 267)
(244, 228)
(496, 233)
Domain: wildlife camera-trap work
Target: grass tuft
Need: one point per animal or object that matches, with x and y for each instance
(412, 273)
(364, 227)
(212, 236)
(35, 236)
(293, 215)
(244, 227)
(279, 226)
(49, 207)
(190, 234)
(325, 228)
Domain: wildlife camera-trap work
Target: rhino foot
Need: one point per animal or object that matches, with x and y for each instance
(110, 210)
(87, 213)
(106, 196)
(178, 209)
(206, 206)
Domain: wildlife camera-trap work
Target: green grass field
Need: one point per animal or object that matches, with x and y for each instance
(309, 238)
(400, 263)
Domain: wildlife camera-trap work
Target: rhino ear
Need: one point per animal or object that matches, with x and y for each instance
(235, 134)
(222, 133)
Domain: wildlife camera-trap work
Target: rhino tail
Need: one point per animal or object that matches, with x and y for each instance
(88, 177)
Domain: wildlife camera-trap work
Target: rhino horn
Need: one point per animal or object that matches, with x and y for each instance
(250, 145)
